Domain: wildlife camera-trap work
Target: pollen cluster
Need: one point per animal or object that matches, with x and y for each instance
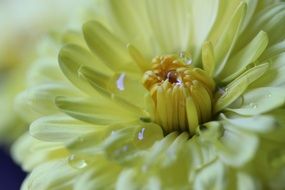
(182, 94)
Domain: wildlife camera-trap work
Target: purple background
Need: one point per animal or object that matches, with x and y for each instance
(11, 176)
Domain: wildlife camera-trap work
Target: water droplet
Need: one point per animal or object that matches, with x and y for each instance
(120, 82)
(189, 61)
(223, 90)
(253, 105)
(186, 57)
(179, 82)
(146, 134)
(77, 162)
(182, 54)
(141, 134)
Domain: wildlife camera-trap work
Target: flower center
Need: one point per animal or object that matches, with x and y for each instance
(181, 94)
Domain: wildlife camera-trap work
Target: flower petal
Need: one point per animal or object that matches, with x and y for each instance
(170, 30)
(97, 111)
(208, 58)
(122, 142)
(257, 124)
(238, 86)
(228, 38)
(31, 152)
(212, 177)
(43, 71)
(275, 75)
(51, 175)
(39, 100)
(59, 128)
(71, 58)
(260, 100)
(135, 179)
(108, 47)
(133, 24)
(96, 176)
(271, 20)
(237, 147)
(123, 85)
(249, 54)
(180, 31)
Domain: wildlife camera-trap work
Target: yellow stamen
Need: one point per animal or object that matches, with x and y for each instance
(181, 94)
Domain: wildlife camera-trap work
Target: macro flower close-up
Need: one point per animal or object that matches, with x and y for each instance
(159, 94)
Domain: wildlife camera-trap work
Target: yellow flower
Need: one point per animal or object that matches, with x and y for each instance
(172, 95)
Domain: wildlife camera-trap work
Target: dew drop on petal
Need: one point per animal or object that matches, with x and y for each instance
(182, 54)
(186, 57)
(189, 61)
(120, 82)
(141, 134)
(179, 82)
(77, 162)
(222, 90)
(146, 134)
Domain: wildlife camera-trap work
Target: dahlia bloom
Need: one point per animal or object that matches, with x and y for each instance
(166, 94)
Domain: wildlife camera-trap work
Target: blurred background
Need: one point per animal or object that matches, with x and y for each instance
(11, 175)
(23, 24)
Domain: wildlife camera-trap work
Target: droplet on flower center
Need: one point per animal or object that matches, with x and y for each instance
(181, 94)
